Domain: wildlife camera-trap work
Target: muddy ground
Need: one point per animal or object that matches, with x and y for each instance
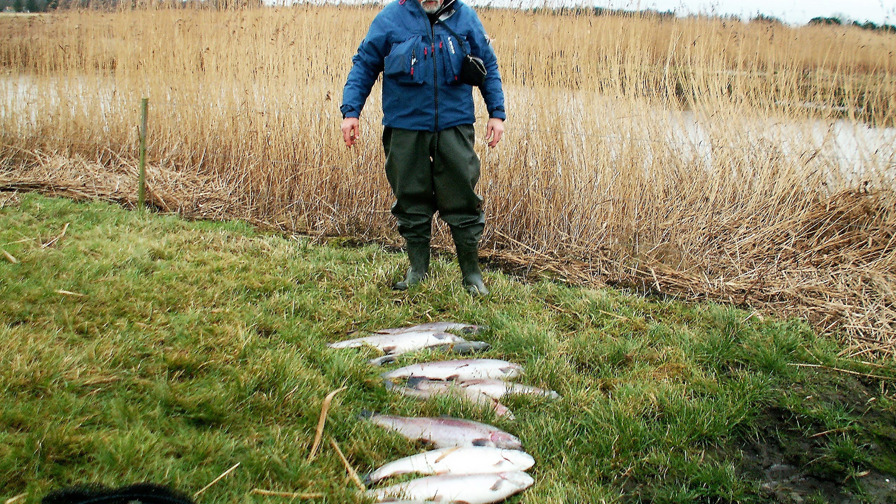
(847, 456)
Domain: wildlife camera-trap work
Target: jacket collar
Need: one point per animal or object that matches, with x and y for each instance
(446, 11)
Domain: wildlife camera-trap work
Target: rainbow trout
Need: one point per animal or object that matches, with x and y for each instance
(469, 489)
(457, 460)
(445, 432)
(459, 370)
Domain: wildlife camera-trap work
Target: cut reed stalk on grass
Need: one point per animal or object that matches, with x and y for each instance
(287, 495)
(325, 407)
(697, 157)
(216, 480)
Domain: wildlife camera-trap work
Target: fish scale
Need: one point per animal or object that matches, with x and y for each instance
(456, 460)
(446, 432)
(470, 489)
(460, 370)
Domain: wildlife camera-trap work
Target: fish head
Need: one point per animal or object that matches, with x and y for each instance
(517, 459)
(512, 370)
(506, 441)
(471, 329)
(466, 347)
(516, 480)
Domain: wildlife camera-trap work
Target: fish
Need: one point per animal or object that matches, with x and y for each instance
(445, 432)
(460, 347)
(456, 460)
(468, 329)
(498, 389)
(397, 344)
(460, 370)
(422, 388)
(465, 488)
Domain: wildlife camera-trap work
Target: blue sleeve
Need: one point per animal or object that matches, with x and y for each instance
(367, 64)
(491, 89)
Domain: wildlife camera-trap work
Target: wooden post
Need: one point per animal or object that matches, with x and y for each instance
(141, 181)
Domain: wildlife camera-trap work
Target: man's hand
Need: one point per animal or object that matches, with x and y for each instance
(494, 130)
(351, 130)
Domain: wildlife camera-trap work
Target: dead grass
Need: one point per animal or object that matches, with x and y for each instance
(694, 157)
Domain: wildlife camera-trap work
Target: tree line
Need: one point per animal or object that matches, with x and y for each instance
(867, 25)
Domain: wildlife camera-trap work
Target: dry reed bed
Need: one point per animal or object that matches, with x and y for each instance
(638, 150)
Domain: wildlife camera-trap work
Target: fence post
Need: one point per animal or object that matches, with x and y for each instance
(141, 181)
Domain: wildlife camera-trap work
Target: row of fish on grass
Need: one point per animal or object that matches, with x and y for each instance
(471, 462)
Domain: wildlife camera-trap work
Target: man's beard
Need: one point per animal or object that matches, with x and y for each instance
(432, 8)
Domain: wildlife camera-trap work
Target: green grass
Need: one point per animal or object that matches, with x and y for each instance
(142, 347)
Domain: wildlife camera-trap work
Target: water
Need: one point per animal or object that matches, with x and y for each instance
(860, 153)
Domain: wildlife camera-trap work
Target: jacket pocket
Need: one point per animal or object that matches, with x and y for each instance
(402, 64)
(452, 55)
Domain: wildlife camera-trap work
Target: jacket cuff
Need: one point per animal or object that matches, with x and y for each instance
(347, 112)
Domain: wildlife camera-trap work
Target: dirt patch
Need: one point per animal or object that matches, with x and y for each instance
(797, 458)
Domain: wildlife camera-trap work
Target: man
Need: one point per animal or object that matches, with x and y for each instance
(428, 116)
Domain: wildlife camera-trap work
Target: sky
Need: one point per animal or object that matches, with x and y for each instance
(789, 11)
(794, 12)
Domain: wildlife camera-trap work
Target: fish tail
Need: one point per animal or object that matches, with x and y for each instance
(365, 414)
(379, 361)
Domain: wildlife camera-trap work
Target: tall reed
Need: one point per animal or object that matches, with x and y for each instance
(747, 162)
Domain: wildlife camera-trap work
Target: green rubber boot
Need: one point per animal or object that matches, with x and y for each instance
(418, 255)
(468, 259)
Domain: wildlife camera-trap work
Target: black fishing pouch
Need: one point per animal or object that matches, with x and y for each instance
(472, 68)
(472, 71)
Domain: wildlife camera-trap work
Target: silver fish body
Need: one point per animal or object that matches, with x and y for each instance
(457, 460)
(468, 329)
(498, 389)
(422, 388)
(460, 370)
(446, 432)
(470, 488)
(396, 344)
(459, 347)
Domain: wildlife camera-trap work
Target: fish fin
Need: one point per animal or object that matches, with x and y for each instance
(389, 384)
(497, 485)
(388, 349)
(475, 329)
(453, 377)
(504, 411)
(367, 479)
(365, 413)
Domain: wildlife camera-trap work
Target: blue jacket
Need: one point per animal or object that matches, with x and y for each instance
(420, 63)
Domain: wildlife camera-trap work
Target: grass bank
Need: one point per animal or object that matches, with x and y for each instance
(140, 346)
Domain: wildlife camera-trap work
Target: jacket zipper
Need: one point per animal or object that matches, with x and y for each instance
(435, 74)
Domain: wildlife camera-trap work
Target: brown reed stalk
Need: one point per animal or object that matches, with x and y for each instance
(695, 157)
